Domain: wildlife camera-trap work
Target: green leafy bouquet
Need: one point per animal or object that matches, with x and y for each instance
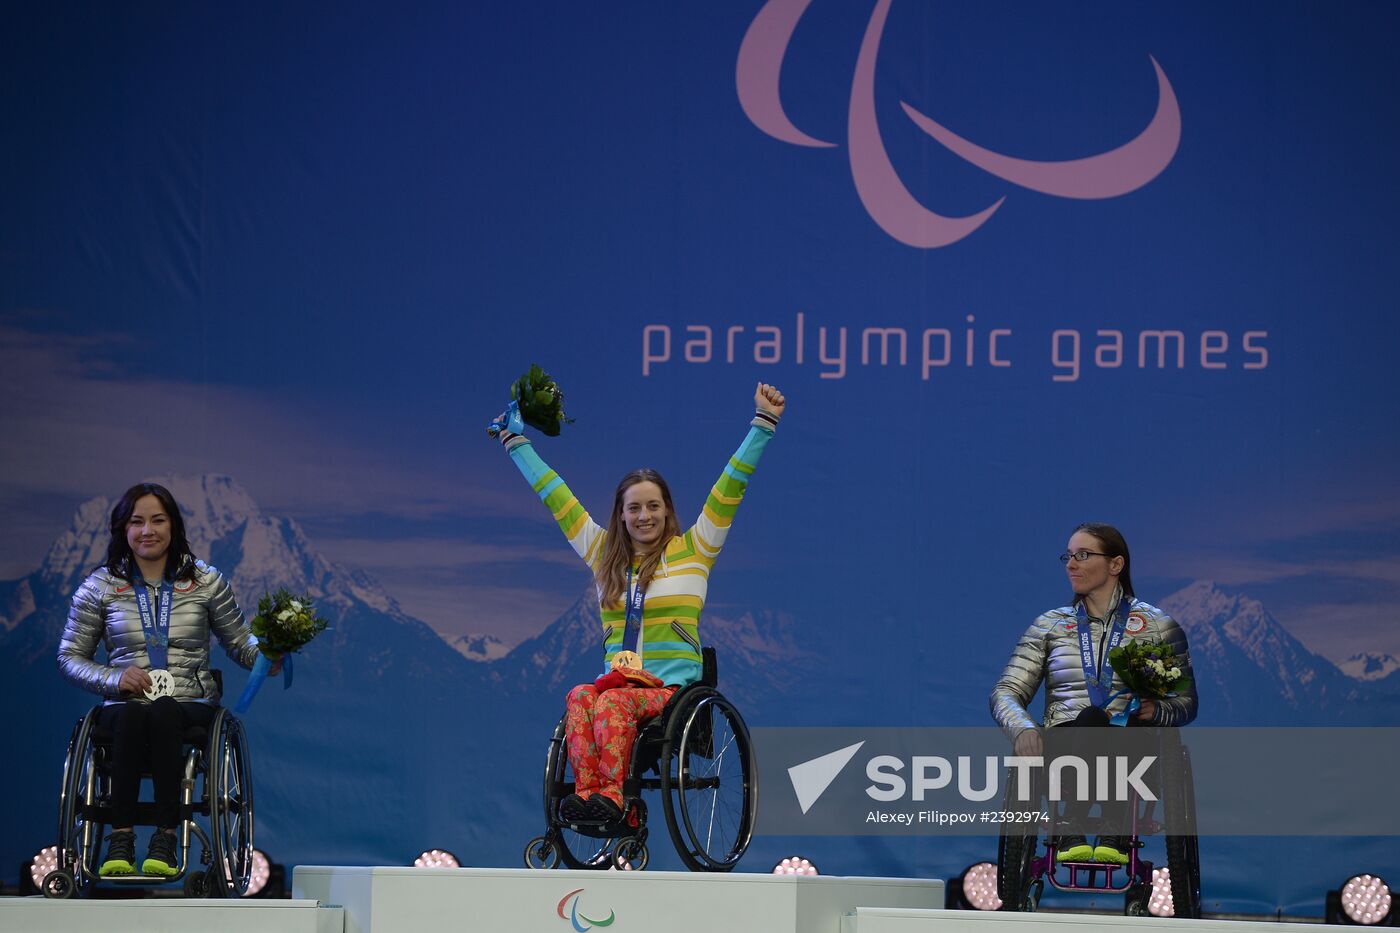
(1149, 669)
(285, 623)
(540, 400)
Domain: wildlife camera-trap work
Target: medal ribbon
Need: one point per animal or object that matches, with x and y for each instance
(1098, 684)
(155, 625)
(632, 639)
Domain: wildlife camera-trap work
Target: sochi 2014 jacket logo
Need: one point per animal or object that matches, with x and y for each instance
(884, 195)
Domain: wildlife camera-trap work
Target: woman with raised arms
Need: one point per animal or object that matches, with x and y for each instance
(652, 579)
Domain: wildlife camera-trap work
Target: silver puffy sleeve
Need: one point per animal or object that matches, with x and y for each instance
(1019, 682)
(1178, 710)
(226, 620)
(81, 634)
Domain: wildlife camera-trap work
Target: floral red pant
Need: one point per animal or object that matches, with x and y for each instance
(600, 729)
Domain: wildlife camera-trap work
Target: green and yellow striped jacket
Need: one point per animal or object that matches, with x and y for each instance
(676, 595)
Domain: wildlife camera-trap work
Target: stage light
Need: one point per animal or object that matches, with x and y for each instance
(262, 870)
(44, 861)
(974, 889)
(1363, 900)
(796, 865)
(437, 858)
(32, 871)
(1159, 902)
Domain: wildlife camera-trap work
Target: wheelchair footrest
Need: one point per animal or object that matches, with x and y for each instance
(139, 878)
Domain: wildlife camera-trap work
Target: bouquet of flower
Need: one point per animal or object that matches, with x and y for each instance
(1149, 669)
(285, 623)
(540, 400)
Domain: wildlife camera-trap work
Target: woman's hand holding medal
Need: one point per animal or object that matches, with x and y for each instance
(153, 684)
(134, 681)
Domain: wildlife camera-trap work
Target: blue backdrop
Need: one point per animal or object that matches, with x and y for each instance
(1016, 266)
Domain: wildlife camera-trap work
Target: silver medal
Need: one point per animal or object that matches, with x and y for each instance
(162, 684)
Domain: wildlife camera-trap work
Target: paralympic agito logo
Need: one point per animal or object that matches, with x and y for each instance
(581, 922)
(882, 192)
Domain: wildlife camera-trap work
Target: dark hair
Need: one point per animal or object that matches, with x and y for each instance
(618, 550)
(1112, 542)
(179, 562)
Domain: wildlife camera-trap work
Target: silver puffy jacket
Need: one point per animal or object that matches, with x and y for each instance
(1049, 651)
(104, 609)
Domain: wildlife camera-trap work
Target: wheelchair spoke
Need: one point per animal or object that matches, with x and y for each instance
(714, 788)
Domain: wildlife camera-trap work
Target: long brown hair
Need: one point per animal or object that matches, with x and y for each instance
(618, 550)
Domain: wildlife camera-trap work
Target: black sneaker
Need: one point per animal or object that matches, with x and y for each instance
(1073, 849)
(160, 858)
(121, 854)
(1113, 850)
(574, 809)
(602, 809)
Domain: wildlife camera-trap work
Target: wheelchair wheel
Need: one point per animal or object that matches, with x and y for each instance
(575, 850)
(630, 854)
(542, 852)
(1017, 886)
(59, 884)
(228, 784)
(197, 884)
(79, 840)
(709, 783)
(1136, 898)
(1183, 853)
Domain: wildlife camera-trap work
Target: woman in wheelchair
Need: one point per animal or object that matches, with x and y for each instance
(652, 580)
(152, 605)
(1067, 648)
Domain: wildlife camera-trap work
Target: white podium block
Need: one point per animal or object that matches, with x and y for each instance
(504, 900)
(39, 915)
(897, 920)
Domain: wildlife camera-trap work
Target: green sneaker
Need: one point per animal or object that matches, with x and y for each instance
(1073, 849)
(160, 858)
(121, 854)
(1112, 850)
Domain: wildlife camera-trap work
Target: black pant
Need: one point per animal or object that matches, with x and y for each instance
(1068, 739)
(148, 737)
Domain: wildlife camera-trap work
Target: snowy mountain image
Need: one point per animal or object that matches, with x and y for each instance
(388, 717)
(478, 647)
(1369, 666)
(378, 695)
(1251, 671)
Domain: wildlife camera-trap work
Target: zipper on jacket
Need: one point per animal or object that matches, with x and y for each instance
(685, 636)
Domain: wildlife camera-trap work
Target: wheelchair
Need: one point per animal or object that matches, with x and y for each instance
(1022, 874)
(215, 763)
(698, 754)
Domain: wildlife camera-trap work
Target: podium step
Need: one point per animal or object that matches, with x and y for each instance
(40, 915)
(409, 900)
(897, 920)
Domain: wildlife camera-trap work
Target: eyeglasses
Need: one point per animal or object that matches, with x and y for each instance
(1080, 556)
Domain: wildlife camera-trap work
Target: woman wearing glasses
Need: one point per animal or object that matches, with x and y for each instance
(1067, 648)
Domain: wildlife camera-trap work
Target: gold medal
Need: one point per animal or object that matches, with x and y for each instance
(626, 660)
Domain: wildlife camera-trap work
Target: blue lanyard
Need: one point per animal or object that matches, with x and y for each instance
(631, 637)
(155, 625)
(1097, 684)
